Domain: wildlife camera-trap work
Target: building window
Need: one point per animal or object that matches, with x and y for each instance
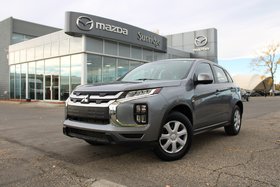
(94, 45)
(109, 69)
(51, 83)
(31, 80)
(39, 80)
(111, 48)
(16, 38)
(12, 82)
(64, 77)
(148, 55)
(23, 80)
(136, 52)
(76, 69)
(124, 50)
(134, 64)
(17, 82)
(123, 67)
(94, 68)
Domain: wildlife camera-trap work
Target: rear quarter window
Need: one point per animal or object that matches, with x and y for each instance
(221, 75)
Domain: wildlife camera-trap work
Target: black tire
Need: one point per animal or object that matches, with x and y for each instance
(177, 142)
(92, 142)
(235, 124)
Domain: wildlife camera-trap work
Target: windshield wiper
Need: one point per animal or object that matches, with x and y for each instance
(145, 79)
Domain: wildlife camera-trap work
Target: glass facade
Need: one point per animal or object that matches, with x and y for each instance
(48, 79)
(64, 77)
(51, 66)
(16, 38)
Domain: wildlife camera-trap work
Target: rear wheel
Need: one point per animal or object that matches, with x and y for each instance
(175, 138)
(234, 127)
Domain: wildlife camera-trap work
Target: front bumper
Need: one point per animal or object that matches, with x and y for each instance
(121, 128)
(105, 133)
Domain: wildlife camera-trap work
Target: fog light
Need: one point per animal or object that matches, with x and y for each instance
(141, 113)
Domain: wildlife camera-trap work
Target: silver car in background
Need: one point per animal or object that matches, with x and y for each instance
(165, 102)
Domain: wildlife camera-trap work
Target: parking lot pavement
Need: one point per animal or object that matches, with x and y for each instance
(34, 152)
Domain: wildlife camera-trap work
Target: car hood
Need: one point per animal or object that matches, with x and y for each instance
(118, 86)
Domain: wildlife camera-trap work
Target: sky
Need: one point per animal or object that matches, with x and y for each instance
(243, 27)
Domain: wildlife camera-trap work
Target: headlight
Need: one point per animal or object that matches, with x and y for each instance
(145, 92)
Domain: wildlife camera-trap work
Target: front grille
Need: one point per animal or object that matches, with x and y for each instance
(88, 135)
(84, 113)
(97, 98)
(88, 120)
(91, 107)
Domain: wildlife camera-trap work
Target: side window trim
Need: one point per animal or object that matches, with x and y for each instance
(216, 75)
(228, 76)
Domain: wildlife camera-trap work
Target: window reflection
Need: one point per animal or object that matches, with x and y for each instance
(64, 78)
(52, 78)
(109, 69)
(76, 69)
(124, 50)
(134, 64)
(23, 80)
(123, 67)
(94, 68)
(17, 82)
(12, 82)
(94, 45)
(136, 52)
(31, 80)
(39, 79)
(110, 48)
(16, 38)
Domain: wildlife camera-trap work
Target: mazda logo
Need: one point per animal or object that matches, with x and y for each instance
(84, 23)
(200, 41)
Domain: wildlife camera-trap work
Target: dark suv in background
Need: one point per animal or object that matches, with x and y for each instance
(165, 102)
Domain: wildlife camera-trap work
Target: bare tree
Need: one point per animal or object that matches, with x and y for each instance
(269, 59)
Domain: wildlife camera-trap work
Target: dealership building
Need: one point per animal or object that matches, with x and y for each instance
(45, 63)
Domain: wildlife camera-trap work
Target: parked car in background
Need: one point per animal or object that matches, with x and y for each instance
(164, 102)
(245, 95)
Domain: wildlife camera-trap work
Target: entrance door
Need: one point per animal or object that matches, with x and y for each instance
(51, 87)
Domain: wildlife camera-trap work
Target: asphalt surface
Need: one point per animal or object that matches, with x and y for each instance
(34, 152)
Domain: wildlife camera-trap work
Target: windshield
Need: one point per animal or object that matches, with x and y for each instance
(160, 70)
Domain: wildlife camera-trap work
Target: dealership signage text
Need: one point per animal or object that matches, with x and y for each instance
(149, 39)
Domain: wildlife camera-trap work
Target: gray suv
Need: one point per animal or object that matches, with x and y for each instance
(165, 102)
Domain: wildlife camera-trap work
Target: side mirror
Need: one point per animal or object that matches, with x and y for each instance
(204, 78)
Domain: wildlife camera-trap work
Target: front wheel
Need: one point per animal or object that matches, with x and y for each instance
(175, 137)
(234, 127)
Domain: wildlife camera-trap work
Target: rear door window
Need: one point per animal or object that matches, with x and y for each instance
(221, 76)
